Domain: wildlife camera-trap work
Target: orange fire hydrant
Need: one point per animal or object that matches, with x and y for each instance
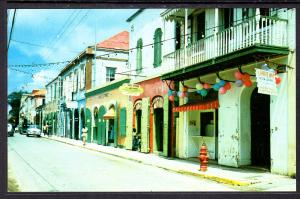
(203, 157)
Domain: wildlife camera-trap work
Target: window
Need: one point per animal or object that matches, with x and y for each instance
(110, 74)
(82, 77)
(228, 17)
(55, 85)
(76, 79)
(157, 47)
(207, 124)
(201, 26)
(139, 56)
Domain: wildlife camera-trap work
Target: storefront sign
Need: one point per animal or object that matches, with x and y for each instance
(266, 82)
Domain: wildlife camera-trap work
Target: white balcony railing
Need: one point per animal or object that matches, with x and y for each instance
(256, 30)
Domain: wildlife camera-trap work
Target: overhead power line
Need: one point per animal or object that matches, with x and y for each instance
(39, 45)
(12, 28)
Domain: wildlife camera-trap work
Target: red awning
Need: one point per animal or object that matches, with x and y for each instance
(198, 106)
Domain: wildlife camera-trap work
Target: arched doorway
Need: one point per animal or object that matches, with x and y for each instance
(260, 129)
(82, 120)
(158, 127)
(76, 124)
(88, 123)
(95, 126)
(137, 108)
(101, 126)
(109, 116)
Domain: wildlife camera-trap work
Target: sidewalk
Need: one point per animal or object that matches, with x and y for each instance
(245, 179)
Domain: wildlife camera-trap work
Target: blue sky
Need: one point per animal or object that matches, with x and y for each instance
(62, 33)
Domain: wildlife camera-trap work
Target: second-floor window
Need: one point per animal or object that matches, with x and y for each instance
(139, 56)
(110, 74)
(82, 79)
(157, 47)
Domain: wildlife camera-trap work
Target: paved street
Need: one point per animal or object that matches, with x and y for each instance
(40, 164)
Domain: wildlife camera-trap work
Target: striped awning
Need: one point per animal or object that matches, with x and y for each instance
(199, 106)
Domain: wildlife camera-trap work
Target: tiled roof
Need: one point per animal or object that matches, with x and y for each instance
(118, 41)
(40, 92)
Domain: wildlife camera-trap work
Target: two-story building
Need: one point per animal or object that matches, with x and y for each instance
(51, 108)
(71, 116)
(217, 62)
(105, 105)
(148, 114)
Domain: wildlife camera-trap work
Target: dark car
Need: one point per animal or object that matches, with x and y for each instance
(33, 130)
(23, 129)
(10, 130)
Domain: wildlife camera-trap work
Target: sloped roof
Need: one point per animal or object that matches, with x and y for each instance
(40, 92)
(118, 41)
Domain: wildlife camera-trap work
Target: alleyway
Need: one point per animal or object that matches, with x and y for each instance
(40, 164)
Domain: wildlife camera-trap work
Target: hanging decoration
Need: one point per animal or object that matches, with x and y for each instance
(221, 85)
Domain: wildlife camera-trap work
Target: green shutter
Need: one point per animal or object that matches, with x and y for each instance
(116, 125)
(88, 122)
(145, 126)
(139, 56)
(157, 48)
(101, 126)
(166, 126)
(129, 115)
(123, 122)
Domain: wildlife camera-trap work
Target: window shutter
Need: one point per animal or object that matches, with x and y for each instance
(139, 56)
(123, 122)
(157, 48)
(145, 125)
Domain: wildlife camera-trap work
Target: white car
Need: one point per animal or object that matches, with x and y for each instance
(33, 130)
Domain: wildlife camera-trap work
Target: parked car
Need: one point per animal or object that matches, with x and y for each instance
(10, 130)
(33, 130)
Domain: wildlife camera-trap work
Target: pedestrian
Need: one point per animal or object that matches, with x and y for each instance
(84, 135)
(46, 129)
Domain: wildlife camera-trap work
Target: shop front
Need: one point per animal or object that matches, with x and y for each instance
(150, 114)
(108, 114)
(242, 112)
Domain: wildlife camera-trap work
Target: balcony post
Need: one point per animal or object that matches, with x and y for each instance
(216, 29)
(257, 18)
(185, 35)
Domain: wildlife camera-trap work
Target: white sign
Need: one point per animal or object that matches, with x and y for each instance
(266, 82)
(72, 104)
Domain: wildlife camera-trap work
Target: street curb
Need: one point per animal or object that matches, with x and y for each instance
(202, 175)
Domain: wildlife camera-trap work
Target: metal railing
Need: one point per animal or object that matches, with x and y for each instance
(256, 30)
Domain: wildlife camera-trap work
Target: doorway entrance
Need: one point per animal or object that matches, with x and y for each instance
(95, 128)
(159, 127)
(260, 129)
(76, 124)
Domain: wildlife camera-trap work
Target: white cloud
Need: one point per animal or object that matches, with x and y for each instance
(40, 79)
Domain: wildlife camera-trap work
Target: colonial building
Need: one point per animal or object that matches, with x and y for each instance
(216, 61)
(51, 108)
(104, 102)
(148, 113)
(29, 104)
(71, 116)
